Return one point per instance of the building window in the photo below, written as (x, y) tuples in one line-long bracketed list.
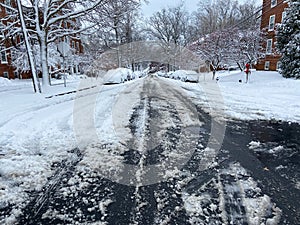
[(78, 46), (7, 2), (66, 39), (269, 46), (66, 25), (267, 65), (16, 74), (3, 57), (283, 16), (278, 65), (5, 74), (272, 23), (273, 3), (21, 38)]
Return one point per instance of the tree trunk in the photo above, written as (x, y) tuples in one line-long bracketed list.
[(214, 74), (44, 61)]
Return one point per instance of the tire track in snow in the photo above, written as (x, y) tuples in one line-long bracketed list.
[(168, 202), (156, 113), (36, 206)]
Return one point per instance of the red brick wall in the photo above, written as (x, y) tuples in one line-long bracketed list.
[(5, 67), (268, 11)]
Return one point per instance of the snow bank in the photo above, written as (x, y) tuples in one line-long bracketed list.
[(5, 82)]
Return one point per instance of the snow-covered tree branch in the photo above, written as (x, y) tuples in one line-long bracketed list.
[(50, 21)]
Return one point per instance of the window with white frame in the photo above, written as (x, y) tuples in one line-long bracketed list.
[(269, 46), (78, 46), (7, 2), (278, 65), (272, 22), (21, 38), (273, 3), (5, 74), (283, 16), (3, 56), (267, 65), (1, 27), (66, 25)]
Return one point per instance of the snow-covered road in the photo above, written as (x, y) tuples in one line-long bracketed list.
[(153, 160)]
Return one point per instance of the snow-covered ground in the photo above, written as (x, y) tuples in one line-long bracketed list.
[(266, 96), (36, 130)]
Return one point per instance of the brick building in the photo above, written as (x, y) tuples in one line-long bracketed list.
[(273, 12), (6, 68)]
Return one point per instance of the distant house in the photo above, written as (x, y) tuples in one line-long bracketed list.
[(6, 68), (273, 13)]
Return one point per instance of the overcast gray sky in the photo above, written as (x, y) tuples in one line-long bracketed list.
[(156, 5)]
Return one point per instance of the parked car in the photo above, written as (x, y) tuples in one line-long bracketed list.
[(192, 78), (59, 76), (117, 76), (186, 76)]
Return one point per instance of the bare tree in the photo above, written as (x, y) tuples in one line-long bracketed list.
[(246, 46), (214, 48), (115, 21), (171, 27), (115, 25), (228, 33), (224, 14)]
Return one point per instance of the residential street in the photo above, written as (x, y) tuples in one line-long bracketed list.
[(166, 168), (148, 112)]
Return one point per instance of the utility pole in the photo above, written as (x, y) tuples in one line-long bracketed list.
[(35, 79)]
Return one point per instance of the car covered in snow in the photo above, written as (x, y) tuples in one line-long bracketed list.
[(186, 76), (139, 74), (162, 74), (117, 76)]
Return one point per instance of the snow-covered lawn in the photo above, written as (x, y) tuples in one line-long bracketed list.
[(36, 133), (267, 96)]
